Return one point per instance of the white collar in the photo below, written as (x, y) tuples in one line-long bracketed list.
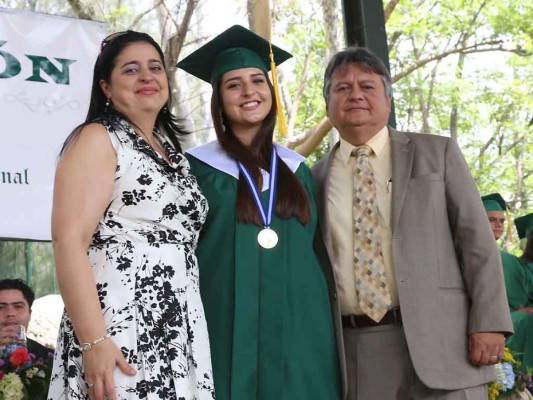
[(213, 155)]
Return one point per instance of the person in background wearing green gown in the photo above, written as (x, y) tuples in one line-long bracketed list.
[(518, 284), (496, 209), (263, 288), (522, 340)]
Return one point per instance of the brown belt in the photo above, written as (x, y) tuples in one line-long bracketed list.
[(392, 316)]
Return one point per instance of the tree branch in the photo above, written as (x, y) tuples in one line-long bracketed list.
[(169, 15), (80, 11), (313, 137), (475, 48), (175, 43), (390, 8), (141, 15)]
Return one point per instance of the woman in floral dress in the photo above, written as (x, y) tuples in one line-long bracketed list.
[(125, 224)]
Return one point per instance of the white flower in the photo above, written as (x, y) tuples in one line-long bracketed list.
[(30, 372), (11, 387)]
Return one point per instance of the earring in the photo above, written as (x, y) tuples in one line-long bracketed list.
[(165, 110), (107, 104)]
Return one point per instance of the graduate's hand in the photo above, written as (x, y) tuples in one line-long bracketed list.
[(528, 310), (485, 348)]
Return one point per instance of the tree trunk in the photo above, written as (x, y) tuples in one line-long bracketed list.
[(204, 131), (454, 113), (81, 11), (333, 27), (259, 18), (172, 49)]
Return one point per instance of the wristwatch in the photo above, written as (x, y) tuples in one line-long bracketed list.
[(89, 345)]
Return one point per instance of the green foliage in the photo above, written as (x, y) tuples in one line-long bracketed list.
[(31, 261), (489, 88), (303, 23)]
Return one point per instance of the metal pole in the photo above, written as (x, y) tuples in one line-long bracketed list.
[(364, 25)]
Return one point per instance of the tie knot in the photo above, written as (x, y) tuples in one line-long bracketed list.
[(363, 150)]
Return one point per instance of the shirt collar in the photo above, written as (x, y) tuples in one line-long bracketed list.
[(212, 154), (377, 143)]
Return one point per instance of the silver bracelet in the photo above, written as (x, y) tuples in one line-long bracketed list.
[(89, 345)]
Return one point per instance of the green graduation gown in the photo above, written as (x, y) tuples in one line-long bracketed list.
[(529, 273), (268, 314), (519, 286)]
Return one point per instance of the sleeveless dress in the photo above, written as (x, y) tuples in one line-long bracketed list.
[(146, 273)]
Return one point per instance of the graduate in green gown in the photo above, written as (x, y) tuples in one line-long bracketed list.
[(263, 288), (522, 340), (518, 285)]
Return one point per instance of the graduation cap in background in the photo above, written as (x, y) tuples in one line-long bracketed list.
[(235, 48), (524, 226), (494, 202)]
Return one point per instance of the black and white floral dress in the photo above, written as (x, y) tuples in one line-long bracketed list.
[(146, 273)]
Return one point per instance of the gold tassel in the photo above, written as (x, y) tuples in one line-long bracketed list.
[(281, 118)]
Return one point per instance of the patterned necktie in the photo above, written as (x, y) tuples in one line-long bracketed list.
[(371, 284)]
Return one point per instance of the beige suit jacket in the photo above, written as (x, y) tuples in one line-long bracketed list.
[(447, 266)]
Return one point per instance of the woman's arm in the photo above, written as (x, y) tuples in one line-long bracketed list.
[(83, 188)]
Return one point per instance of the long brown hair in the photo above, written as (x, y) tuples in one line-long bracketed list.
[(291, 199)]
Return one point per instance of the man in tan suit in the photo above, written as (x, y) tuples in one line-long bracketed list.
[(445, 313)]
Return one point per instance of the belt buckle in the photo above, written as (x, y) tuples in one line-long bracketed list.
[(396, 316)]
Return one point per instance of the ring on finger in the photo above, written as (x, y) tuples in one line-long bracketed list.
[(89, 384)]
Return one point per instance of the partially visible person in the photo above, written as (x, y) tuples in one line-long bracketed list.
[(263, 287), (125, 223), (16, 300), (521, 287), (418, 274), (524, 227), (496, 208)]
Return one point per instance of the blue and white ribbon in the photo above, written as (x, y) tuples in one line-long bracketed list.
[(266, 218)]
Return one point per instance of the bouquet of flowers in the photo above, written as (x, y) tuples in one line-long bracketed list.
[(22, 376), (511, 382)]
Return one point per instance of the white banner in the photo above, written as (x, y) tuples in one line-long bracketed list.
[(46, 68)]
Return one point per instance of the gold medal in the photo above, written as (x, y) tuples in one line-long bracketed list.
[(267, 238)]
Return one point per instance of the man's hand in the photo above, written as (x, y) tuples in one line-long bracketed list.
[(485, 348), (7, 334)]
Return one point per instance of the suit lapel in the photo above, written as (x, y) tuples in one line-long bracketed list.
[(322, 197), (402, 150)]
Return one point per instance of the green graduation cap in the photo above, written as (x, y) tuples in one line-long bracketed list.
[(235, 48), (494, 202), (524, 226)]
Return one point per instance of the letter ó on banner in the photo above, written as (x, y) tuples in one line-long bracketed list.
[(13, 66)]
